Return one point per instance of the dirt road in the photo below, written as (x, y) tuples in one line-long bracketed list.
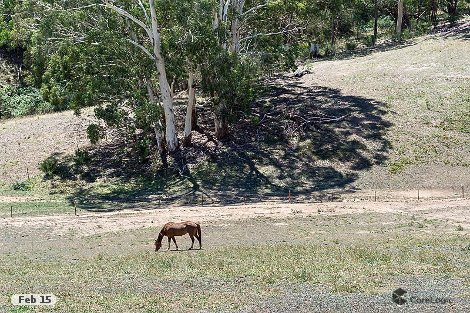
[(455, 211)]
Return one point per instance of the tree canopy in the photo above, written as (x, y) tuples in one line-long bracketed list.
[(128, 58)]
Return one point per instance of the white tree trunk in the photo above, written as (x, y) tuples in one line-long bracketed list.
[(158, 128), (165, 91), (188, 122), (235, 44), (235, 31), (399, 19)]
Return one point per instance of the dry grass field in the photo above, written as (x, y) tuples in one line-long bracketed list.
[(389, 122)]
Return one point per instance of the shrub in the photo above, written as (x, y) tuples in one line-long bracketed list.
[(95, 133), (16, 101), (233, 80), (81, 157), (368, 40), (143, 149), (351, 46), (49, 166), (23, 186)]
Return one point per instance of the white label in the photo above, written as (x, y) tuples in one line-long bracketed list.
[(33, 299)]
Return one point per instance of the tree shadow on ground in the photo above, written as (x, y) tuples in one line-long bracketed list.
[(299, 139), (459, 30), (296, 138), (387, 45)]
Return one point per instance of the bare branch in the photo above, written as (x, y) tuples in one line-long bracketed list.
[(284, 31), (129, 16), (144, 10), (225, 11), (142, 48), (255, 8), (80, 8)]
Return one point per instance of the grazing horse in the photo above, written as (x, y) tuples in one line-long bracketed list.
[(179, 229)]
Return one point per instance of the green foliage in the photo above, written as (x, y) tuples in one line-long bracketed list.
[(231, 82), (143, 149), (351, 46), (17, 101), (81, 157), (95, 132), (5, 34), (146, 115), (23, 186), (368, 40), (49, 166), (112, 114), (6, 23)]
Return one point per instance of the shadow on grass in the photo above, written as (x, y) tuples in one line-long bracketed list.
[(387, 45), (459, 29), (299, 139), (296, 138)]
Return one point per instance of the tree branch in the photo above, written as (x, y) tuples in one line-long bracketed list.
[(142, 48), (144, 10), (269, 34), (255, 8), (129, 16)]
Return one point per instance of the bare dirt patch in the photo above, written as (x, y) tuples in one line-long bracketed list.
[(455, 211), (25, 142)]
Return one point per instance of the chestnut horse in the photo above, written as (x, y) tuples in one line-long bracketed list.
[(179, 229)]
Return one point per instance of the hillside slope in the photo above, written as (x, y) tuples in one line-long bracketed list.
[(425, 86), (396, 118), (24, 142)]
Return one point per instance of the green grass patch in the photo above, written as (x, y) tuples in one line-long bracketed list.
[(36, 207), (211, 279)]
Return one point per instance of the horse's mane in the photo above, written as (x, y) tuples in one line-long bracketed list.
[(160, 237)]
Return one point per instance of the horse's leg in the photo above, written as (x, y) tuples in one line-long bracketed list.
[(169, 240), (199, 239), (174, 240), (192, 241), (199, 235)]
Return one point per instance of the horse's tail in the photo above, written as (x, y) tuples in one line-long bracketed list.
[(199, 233)]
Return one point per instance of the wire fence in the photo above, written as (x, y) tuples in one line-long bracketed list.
[(157, 201)]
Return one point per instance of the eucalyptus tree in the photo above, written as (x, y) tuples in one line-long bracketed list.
[(80, 53), (148, 23), (188, 40), (399, 19)]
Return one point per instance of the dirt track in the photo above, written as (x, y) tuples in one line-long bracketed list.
[(455, 211)]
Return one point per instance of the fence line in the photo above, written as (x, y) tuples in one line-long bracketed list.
[(197, 198)]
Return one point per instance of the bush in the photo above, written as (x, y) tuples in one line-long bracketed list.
[(81, 157), (368, 40), (351, 46), (23, 186), (143, 149), (5, 34), (233, 80), (49, 166), (16, 101), (95, 133)]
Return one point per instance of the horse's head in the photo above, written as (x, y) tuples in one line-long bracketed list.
[(158, 242), (158, 245)]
